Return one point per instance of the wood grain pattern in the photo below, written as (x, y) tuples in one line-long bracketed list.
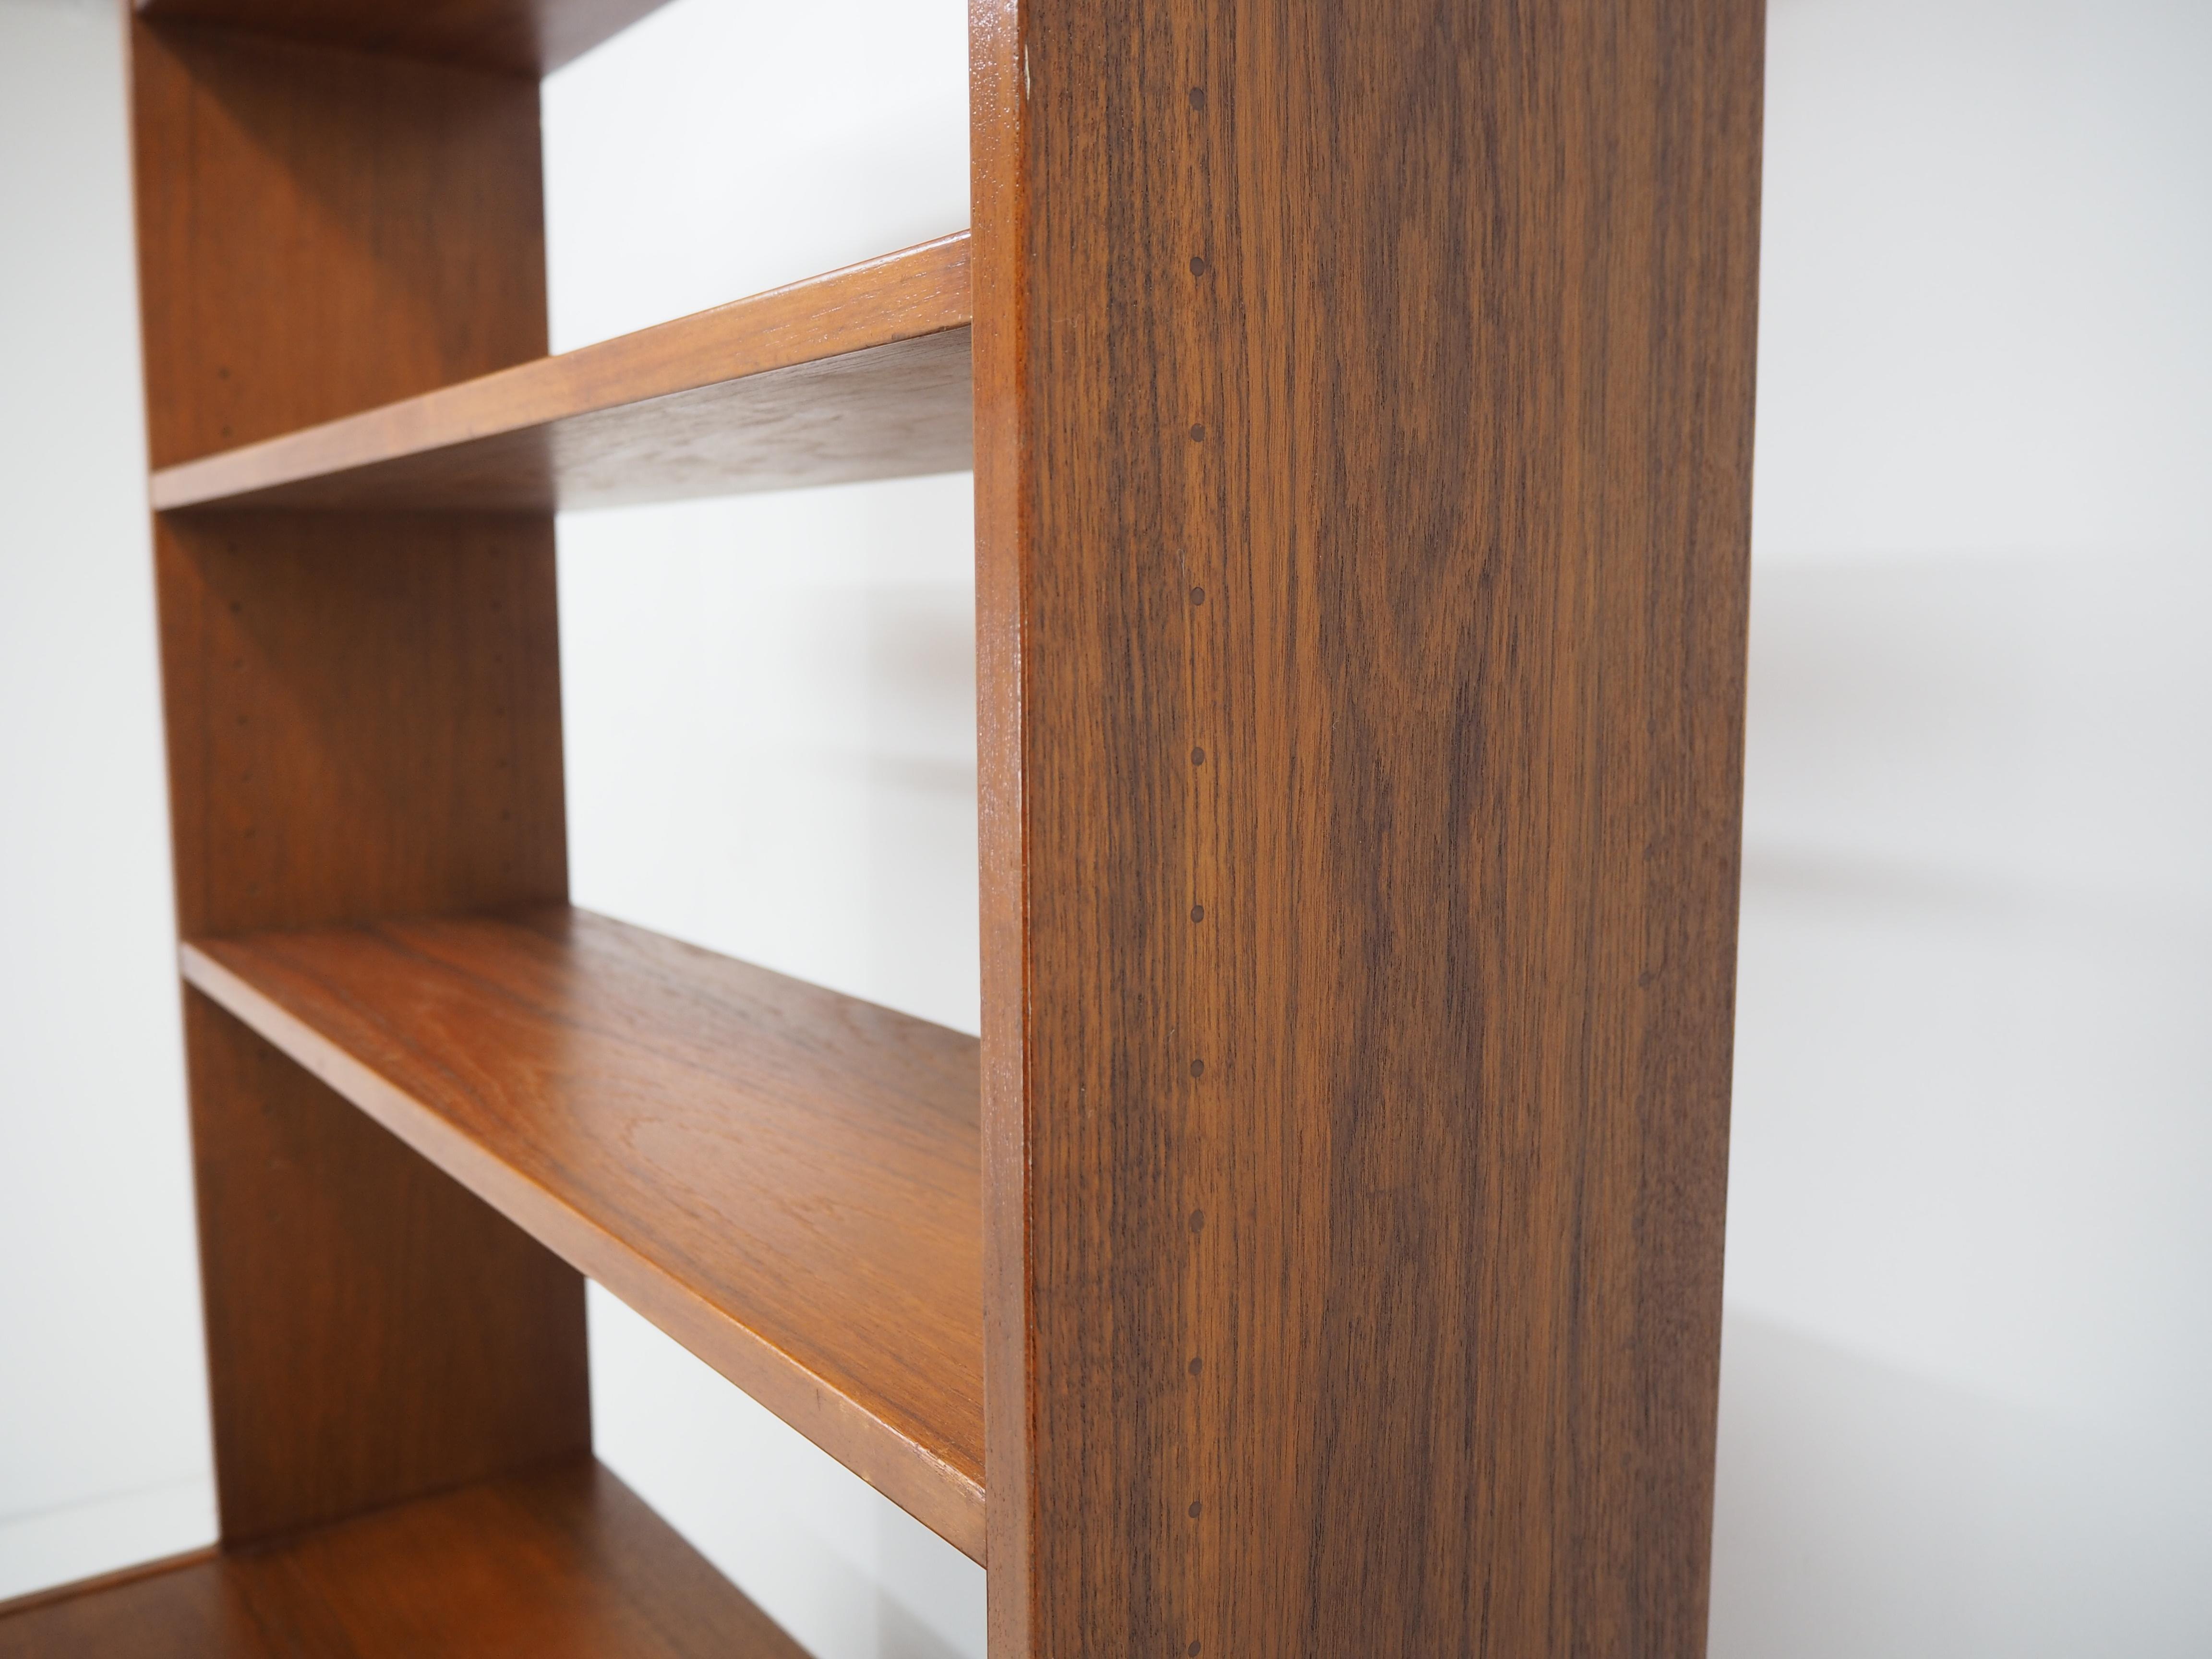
[(563, 1563), (784, 1179), (375, 1331), (860, 374), (321, 232), (1364, 435), (363, 715)]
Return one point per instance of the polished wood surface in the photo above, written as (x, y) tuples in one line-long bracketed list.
[(529, 38), (562, 1563), (321, 232), (784, 1179), (363, 715), (375, 1331), (1363, 427), (860, 374)]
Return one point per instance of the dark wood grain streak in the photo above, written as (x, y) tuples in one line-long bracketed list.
[(860, 374), (363, 716), (564, 1563), (784, 1179), (1365, 494), (527, 38)]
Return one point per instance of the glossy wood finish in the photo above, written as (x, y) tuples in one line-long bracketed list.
[(563, 1563), (529, 38), (784, 1179), (861, 373), (1363, 463), (363, 716)]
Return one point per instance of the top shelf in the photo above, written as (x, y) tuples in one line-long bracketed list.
[(518, 37), (860, 374)]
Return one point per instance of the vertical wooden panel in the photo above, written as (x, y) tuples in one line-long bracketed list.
[(322, 231), (1363, 455), (363, 718), (375, 1331), (995, 116)]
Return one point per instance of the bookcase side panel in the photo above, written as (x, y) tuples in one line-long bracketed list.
[(323, 231), (375, 1332), (363, 718), (1377, 399)]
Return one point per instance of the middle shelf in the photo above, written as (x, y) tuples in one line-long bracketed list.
[(862, 372), (785, 1180)]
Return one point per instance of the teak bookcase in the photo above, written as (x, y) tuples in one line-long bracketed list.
[(1319, 1254)]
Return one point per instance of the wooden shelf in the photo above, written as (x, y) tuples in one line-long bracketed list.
[(860, 374), (565, 1563), (785, 1180), (518, 37)]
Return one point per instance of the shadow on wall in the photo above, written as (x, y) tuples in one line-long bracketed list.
[(1864, 1511), (770, 707), (1970, 1260)]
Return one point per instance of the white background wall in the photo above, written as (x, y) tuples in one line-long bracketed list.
[(103, 1415), (1970, 1263), (1970, 1250), (811, 804)]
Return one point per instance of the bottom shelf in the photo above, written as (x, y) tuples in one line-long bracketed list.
[(565, 1563)]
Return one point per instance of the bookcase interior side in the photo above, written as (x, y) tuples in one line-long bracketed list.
[(363, 718)]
